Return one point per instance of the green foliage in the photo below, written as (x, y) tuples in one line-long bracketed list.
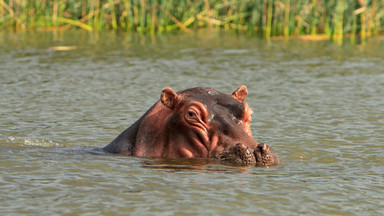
[(267, 18)]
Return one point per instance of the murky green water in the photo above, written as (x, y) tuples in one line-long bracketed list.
[(320, 106)]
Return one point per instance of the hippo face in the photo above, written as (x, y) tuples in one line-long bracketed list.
[(196, 123), (209, 124)]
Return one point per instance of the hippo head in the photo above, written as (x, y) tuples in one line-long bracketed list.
[(204, 122)]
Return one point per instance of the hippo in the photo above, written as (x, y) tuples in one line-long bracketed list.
[(196, 123)]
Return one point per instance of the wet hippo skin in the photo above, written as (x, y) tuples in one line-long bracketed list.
[(196, 123)]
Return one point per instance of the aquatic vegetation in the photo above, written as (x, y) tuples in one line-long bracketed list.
[(333, 19)]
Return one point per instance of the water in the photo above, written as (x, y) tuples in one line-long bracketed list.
[(320, 106)]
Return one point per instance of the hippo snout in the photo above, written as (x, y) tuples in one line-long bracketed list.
[(262, 155)]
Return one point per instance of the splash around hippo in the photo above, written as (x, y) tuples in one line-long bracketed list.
[(196, 123)]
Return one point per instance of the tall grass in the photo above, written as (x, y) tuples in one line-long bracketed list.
[(333, 19)]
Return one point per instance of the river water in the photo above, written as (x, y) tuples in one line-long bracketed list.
[(320, 106)]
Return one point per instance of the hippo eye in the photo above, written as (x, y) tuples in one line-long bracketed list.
[(192, 114)]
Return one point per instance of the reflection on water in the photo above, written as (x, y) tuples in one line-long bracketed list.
[(194, 164), (320, 106)]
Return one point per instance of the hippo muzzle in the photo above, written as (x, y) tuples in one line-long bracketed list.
[(241, 154)]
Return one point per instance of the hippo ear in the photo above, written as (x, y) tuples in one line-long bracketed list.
[(240, 93), (169, 98)]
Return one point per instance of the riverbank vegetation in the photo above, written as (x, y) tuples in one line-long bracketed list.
[(312, 19)]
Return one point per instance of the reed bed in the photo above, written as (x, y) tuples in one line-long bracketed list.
[(314, 19)]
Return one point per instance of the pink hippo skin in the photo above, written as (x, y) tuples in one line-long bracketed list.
[(196, 123)]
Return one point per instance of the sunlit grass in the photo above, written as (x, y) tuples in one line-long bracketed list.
[(334, 19)]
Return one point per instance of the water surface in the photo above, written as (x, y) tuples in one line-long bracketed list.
[(320, 106)]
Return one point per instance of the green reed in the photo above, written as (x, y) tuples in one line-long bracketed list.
[(333, 19)]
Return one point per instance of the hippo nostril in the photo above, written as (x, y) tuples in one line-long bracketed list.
[(265, 156), (241, 145), (262, 147)]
